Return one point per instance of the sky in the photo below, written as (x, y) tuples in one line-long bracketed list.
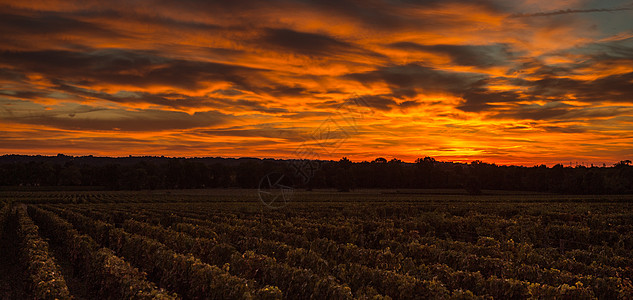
[(509, 82)]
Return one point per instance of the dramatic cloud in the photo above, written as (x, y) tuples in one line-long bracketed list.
[(465, 55), (85, 118), (523, 82)]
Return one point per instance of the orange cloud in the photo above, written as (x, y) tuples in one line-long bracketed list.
[(524, 83)]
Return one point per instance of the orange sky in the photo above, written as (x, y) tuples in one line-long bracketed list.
[(525, 82)]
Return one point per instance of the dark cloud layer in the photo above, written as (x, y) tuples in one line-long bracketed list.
[(311, 44), (570, 11), (124, 68), (115, 120), (466, 55), (406, 80), (41, 25)]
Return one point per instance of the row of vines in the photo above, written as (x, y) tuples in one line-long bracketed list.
[(321, 250)]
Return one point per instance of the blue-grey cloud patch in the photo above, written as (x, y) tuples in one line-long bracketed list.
[(550, 111), (465, 55), (558, 111), (405, 80)]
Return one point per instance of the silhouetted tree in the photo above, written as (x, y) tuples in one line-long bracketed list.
[(168, 173)]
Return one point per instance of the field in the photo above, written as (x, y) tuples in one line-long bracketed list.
[(226, 244)]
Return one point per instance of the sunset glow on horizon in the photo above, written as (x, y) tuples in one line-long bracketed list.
[(524, 83)]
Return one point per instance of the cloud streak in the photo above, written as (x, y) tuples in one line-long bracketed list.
[(570, 11)]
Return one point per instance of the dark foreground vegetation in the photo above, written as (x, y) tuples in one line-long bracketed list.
[(224, 244), (136, 173)]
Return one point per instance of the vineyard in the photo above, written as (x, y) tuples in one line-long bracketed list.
[(225, 244)]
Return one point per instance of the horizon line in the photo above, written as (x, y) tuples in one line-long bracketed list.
[(571, 164)]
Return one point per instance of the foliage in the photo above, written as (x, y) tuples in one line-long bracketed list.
[(140, 173), (107, 274), (339, 250), (45, 276)]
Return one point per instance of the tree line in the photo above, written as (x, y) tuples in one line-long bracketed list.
[(136, 173)]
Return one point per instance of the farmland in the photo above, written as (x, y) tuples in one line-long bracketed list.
[(365, 244)]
